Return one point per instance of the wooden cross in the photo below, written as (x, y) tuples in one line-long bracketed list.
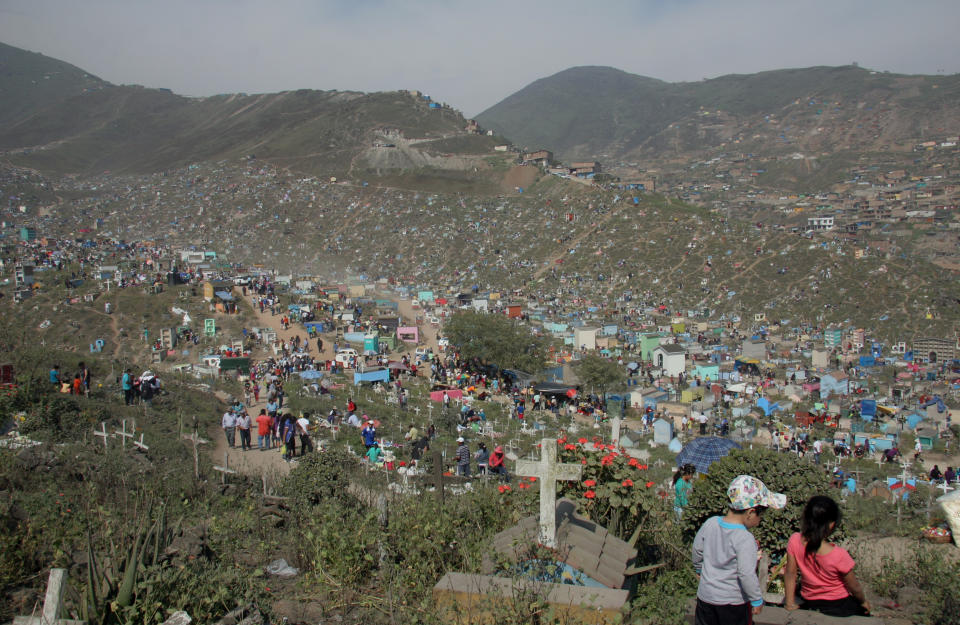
[(102, 434), (124, 434), (139, 444), (549, 472), (197, 441), (615, 431), (225, 468), (51, 604), (438, 474), (944, 487)]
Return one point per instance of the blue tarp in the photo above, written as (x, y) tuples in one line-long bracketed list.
[(223, 295), (868, 409)]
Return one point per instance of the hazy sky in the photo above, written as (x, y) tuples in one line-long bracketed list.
[(470, 54)]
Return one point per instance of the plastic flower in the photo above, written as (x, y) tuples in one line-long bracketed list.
[(589, 483), (627, 482), (403, 463), (532, 478), (570, 447), (589, 494), (650, 484), (523, 485), (503, 488), (582, 440)]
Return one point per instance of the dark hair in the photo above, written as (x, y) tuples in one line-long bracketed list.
[(815, 521)]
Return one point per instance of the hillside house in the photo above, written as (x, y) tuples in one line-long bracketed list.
[(671, 358), (834, 383), (585, 338), (540, 157), (585, 170)]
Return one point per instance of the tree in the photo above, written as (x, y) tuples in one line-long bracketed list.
[(497, 340), (600, 374)]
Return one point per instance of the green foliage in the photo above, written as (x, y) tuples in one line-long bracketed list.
[(497, 340), (782, 473), (339, 543), (319, 478), (928, 571), (662, 600), (599, 373), (615, 490), (61, 418)]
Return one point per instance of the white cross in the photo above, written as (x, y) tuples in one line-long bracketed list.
[(944, 487), (51, 604), (124, 434), (139, 444), (102, 434), (225, 468), (615, 431), (549, 472)]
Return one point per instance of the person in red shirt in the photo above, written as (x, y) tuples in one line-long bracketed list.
[(264, 426), (496, 465), (827, 581), (77, 386)]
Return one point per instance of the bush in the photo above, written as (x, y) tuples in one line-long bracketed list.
[(782, 473), (320, 477), (62, 418)]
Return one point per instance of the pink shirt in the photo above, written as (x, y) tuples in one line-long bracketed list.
[(821, 577)]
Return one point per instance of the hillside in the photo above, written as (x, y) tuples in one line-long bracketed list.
[(30, 82), (591, 112), (55, 118)]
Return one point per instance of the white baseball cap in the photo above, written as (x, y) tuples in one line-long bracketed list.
[(459, 439)]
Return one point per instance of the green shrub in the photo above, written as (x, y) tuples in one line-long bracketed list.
[(782, 473), (62, 418), (320, 477)]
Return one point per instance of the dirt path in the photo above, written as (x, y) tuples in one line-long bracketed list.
[(270, 463)]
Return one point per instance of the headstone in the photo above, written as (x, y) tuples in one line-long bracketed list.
[(50, 615), (615, 431), (178, 618), (950, 503), (662, 431), (548, 471)]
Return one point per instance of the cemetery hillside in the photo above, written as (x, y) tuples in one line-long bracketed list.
[(319, 357)]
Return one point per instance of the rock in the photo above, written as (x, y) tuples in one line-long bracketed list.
[(299, 611), (246, 615)]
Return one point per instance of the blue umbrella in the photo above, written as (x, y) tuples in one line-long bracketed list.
[(704, 451), (311, 374)]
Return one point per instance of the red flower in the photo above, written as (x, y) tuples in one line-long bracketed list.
[(589, 483), (611, 447), (562, 440), (589, 494), (447, 473), (503, 488), (532, 479), (633, 462), (403, 463), (650, 484), (628, 482), (607, 460), (583, 461), (598, 445), (582, 440), (570, 447), (523, 485)]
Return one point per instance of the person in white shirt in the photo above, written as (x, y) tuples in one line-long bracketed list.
[(229, 425), (303, 429)]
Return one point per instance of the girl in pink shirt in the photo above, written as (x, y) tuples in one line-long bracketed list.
[(827, 581)]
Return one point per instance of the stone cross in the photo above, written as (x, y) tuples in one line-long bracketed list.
[(225, 469), (615, 431), (51, 604), (102, 434), (548, 472)]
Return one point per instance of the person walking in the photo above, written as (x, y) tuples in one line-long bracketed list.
[(303, 429), (263, 429), (229, 425), (243, 424)]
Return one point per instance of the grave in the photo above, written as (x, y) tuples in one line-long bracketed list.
[(950, 504), (662, 431), (582, 577), (52, 600)]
